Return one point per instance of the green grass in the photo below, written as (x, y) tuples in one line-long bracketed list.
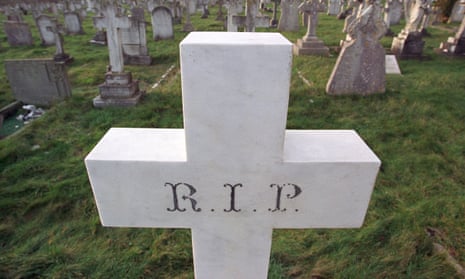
[(49, 224)]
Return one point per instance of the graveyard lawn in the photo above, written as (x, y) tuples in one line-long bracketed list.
[(49, 226)]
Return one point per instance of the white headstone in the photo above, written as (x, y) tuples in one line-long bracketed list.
[(392, 67), (234, 173)]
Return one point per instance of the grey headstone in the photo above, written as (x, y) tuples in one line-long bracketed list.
[(289, 20), (18, 33), (360, 67), (45, 22), (162, 23), (38, 81), (73, 23)]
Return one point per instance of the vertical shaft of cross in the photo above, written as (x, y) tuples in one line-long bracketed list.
[(240, 251)]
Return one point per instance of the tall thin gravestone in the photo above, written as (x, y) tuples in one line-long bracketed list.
[(234, 173)]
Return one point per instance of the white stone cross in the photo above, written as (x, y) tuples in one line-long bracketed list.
[(234, 173), (112, 22)]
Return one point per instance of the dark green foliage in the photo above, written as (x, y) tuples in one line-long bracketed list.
[(49, 226)]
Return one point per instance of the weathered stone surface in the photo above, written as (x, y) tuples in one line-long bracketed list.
[(458, 11), (162, 23), (73, 24), (408, 45), (120, 90), (44, 23), (38, 81), (455, 45), (289, 19), (360, 67), (18, 33)]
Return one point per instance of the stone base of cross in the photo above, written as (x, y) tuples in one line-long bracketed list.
[(234, 173)]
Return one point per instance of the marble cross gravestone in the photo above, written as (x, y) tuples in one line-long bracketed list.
[(234, 173)]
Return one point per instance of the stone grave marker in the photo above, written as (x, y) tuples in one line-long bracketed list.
[(18, 33), (234, 7), (289, 19), (454, 45), (134, 40), (73, 23), (162, 23), (234, 173), (360, 67), (38, 81), (119, 89), (409, 42), (392, 67), (251, 20), (44, 23), (335, 7), (310, 44), (458, 11), (392, 12)]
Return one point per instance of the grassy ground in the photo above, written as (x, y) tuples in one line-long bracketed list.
[(49, 227)]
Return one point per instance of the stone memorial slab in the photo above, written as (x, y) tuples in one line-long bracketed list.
[(289, 19), (44, 23), (73, 23), (134, 40), (458, 11), (234, 173), (409, 42), (162, 23), (360, 68), (18, 33), (38, 81), (392, 67)]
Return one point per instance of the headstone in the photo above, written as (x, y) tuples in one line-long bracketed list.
[(60, 55), (119, 89), (289, 19), (392, 67), (360, 67), (134, 40), (18, 33), (455, 45), (335, 7), (356, 6), (458, 11), (188, 27), (234, 7), (162, 23), (393, 12), (310, 44), (44, 23), (232, 188), (73, 23), (409, 42), (38, 81), (90, 5), (251, 20)]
